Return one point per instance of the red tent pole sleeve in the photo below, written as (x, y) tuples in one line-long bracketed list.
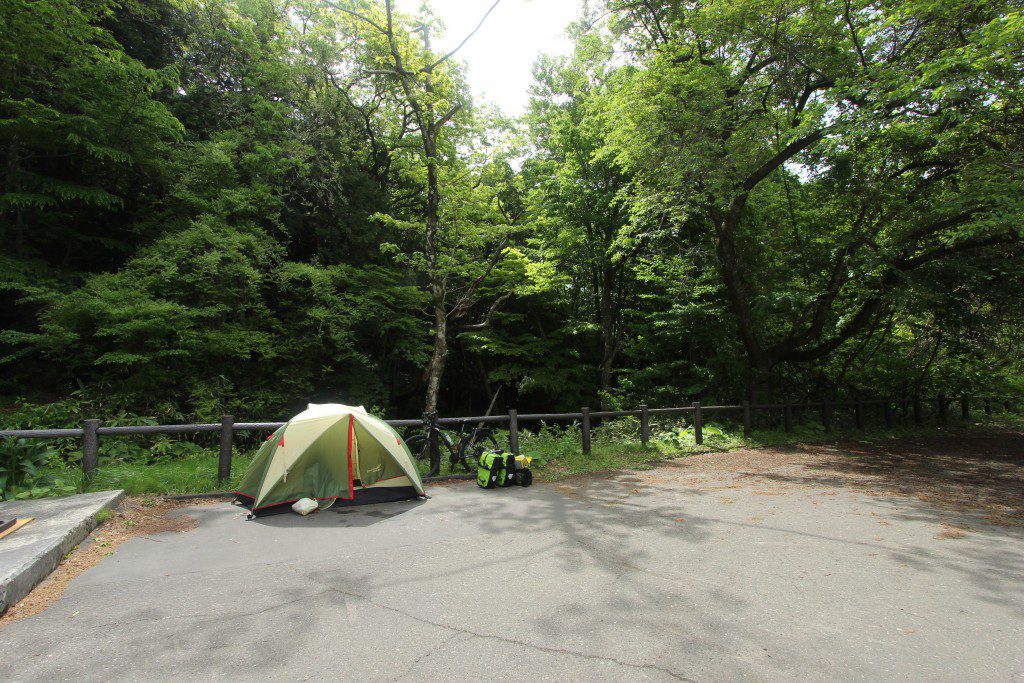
[(351, 437)]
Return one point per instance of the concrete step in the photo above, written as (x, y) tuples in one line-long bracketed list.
[(59, 524)]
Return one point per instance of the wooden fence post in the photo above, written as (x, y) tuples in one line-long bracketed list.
[(918, 418), (698, 424), (826, 415), (988, 406), (433, 446), (787, 416), (227, 433), (965, 407), (943, 407), (887, 409), (513, 431), (90, 447), (585, 425), (645, 425), (747, 420), (858, 414)]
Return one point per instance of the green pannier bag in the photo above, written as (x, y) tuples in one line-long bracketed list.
[(494, 469)]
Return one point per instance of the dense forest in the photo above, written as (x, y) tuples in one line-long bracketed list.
[(239, 206)]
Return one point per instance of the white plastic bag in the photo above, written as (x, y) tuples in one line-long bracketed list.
[(304, 506)]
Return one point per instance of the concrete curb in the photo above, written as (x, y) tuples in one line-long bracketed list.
[(59, 524), (193, 496), (448, 477)]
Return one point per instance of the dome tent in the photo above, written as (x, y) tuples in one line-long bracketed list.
[(330, 452)]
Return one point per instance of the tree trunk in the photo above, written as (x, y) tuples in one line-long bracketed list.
[(609, 346), (437, 292), (760, 363), (438, 359), (760, 384)]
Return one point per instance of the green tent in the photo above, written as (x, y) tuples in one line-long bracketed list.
[(335, 454)]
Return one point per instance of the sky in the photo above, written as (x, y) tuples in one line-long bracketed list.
[(501, 54)]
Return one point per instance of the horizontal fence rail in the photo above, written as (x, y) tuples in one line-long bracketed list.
[(90, 431)]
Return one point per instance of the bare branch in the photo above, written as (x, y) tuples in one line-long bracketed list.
[(486, 322), (781, 157), (357, 15), (464, 303), (446, 57), (446, 117)]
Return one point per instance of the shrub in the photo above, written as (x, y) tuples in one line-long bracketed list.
[(21, 470)]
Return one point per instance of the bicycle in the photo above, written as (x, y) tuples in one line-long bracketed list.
[(464, 450)]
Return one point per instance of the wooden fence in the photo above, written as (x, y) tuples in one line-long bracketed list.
[(91, 430)]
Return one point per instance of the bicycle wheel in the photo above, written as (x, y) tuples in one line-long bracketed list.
[(416, 443), (469, 457), (419, 444)]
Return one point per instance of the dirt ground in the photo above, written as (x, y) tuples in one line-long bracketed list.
[(959, 471)]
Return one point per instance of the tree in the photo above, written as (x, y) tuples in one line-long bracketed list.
[(82, 132), (220, 206), (580, 196), (901, 120), (254, 275), (80, 118), (430, 87)]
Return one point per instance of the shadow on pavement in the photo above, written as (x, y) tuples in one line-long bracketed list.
[(361, 516)]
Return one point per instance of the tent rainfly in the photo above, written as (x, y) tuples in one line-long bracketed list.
[(338, 455)]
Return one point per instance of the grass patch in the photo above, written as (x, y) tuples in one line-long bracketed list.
[(557, 451), (192, 474), (603, 456)]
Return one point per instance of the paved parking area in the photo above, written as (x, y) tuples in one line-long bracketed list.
[(817, 564)]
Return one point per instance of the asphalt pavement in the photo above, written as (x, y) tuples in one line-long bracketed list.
[(657, 575)]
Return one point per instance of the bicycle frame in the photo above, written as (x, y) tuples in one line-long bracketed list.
[(461, 450)]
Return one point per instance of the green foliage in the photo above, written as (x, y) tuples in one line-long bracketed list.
[(213, 206), (22, 470), (21, 461), (81, 119), (684, 437), (557, 452)]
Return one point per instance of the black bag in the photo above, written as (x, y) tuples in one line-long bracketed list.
[(508, 472)]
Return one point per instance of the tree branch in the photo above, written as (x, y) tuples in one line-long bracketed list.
[(838, 277), (853, 34), (464, 303), (486, 322), (907, 264), (896, 269), (448, 55), (446, 117), (781, 157), (357, 15)]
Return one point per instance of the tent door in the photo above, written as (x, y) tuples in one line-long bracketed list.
[(353, 451)]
